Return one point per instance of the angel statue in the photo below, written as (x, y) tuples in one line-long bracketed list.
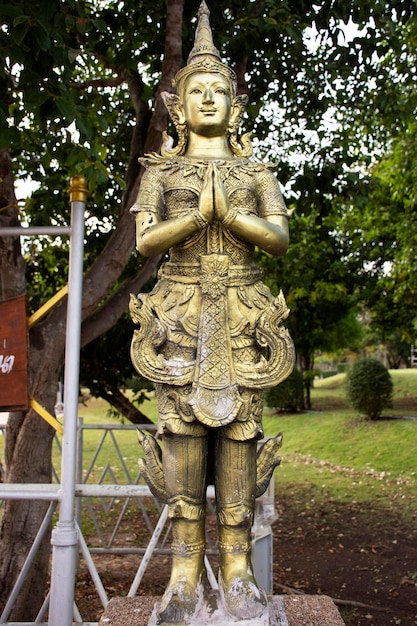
[(209, 334)]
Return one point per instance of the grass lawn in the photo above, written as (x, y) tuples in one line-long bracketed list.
[(333, 450), (344, 457)]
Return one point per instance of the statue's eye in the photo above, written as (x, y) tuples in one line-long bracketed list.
[(195, 90), (221, 91)]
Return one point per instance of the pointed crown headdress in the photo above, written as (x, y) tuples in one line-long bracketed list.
[(204, 57)]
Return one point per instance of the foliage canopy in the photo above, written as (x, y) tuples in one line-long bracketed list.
[(80, 81)]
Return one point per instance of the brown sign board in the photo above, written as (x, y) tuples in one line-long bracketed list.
[(14, 394)]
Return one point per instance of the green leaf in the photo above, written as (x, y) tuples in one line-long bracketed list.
[(42, 38), (8, 9), (67, 108), (19, 33), (100, 25), (84, 126), (22, 19), (73, 53)]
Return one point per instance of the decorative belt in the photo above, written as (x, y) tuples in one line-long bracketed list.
[(237, 275)]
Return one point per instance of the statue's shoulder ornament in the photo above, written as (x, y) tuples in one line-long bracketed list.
[(166, 166), (154, 159), (256, 167), (184, 172)]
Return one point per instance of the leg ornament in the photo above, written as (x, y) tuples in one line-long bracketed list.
[(188, 577), (235, 494), (184, 461)]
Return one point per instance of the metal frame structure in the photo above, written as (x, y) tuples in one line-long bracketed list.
[(67, 539), (65, 536)]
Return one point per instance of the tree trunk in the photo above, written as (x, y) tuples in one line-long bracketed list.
[(22, 518), (28, 437), (306, 367), (12, 266)]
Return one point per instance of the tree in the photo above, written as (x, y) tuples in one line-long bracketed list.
[(329, 268), (99, 355), (289, 395), (319, 286), (378, 218), (80, 85)]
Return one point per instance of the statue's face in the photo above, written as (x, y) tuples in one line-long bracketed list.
[(207, 104)]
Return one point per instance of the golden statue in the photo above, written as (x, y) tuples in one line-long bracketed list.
[(209, 334)]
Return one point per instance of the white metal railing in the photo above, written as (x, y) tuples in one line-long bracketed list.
[(128, 491), (65, 533), (413, 356)]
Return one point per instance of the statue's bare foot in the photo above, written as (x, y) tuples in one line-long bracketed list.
[(239, 590), (180, 601), (178, 604)]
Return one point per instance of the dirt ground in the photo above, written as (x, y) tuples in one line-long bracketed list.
[(353, 553), (361, 556)]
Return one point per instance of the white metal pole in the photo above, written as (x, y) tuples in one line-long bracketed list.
[(65, 536)]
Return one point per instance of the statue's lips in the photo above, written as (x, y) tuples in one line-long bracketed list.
[(208, 111)]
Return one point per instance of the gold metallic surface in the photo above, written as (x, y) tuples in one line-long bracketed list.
[(210, 335), (78, 191)]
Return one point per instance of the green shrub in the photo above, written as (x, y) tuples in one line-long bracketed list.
[(369, 387), (289, 395)]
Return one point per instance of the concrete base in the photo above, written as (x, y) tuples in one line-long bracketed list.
[(300, 610)]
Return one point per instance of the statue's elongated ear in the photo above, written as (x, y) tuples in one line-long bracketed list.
[(238, 107), (174, 106), (241, 146)]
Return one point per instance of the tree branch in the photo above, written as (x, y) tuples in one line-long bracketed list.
[(124, 406), (12, 275), (109, 265), (241, 69), (140, 131), (108, 314), (97, 83), (170, 66)]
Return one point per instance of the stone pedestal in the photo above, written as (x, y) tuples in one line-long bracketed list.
[(300, 610)]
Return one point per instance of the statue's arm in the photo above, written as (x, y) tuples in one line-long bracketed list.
[(269, 234), (267, 230), (154, 234)]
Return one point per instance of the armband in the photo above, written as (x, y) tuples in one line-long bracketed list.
[(230, 217), (199, 219)]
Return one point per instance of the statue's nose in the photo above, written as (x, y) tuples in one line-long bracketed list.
[(208, 95)]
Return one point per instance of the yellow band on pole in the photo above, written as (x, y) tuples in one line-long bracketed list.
[(78, 190), (45, 308), (52, 421)]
